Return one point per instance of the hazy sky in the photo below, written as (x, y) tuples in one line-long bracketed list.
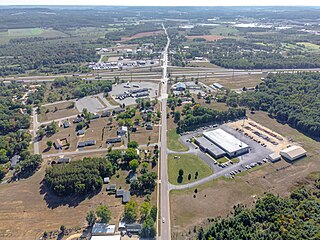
[(166, 2)]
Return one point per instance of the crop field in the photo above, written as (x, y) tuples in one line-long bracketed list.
[(206, 37), (5, 37), (141, 35)]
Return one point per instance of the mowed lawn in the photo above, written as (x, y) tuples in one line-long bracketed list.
[(190, 164), (173, 142)]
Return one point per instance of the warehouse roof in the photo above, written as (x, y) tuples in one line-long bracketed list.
[(225, 140), (205, 143), (293, 151)]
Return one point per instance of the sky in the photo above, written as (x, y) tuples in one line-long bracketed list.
[(166, 2)]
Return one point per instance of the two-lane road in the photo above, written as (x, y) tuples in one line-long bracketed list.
[(164, 232)]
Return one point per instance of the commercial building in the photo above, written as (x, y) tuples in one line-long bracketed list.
[(293, 153), (180, 86), (192, 85), (209, 147), (218, 86), (228, 143)]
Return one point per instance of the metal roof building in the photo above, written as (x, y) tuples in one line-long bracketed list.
[(209, 147), (227, 142), (293, 153), (100, 229)]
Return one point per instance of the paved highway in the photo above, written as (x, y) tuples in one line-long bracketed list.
[(164, 232)]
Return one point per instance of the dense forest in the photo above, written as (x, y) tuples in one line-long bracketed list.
[(201, 115), (44, 56), (78, 177), (290, 98), (273, 217)]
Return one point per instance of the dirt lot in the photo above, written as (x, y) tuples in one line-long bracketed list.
[(142, 135), (251, 126), (140, 35), (235, 82), (219, 196), (206, 37), (62, 111)]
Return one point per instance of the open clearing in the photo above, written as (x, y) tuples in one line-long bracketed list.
[(236, 82), (57, 111), (6, 36), (173, 141), (219, 196), (206, 37), (141, 35), (190, 164)]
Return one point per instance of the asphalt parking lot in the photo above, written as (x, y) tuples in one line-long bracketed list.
[(94, 104), (256, 153), (120, 89)]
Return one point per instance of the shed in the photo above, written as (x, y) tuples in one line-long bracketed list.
[(119, 192), (134, 228), (274, 157), (63, 160), (126, 197), (111, 187), (106, 114), (80, 132), (106, 180), (77, 120), (66, 124)]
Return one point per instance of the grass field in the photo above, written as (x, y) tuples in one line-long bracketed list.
[(29, 32), (190, 164), (56, 111), (223, 30), (310, 46), (173, 141)]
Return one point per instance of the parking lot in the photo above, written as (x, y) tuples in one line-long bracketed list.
[(123, 88), (94, 104), (254, 158)]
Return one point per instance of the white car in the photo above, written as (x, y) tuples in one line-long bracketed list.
[(163, 220)]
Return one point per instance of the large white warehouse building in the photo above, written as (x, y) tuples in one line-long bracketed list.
[(228, 143)]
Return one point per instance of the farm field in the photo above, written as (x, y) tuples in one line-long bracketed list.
[(6, 36), (278, 178), (141, 35), (190, 164), (206, 37)]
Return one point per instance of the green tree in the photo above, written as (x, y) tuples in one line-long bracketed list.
[(153, 213), (91, 218), (103, 213), (133, 144), (176, 116), (134, 164), (115, 155), (49, 144), (148, 229), (130, 154), (145, 209), (131, 211)]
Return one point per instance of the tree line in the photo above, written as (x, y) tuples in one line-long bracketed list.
[(78, 177), (290, 98), (273, 217)]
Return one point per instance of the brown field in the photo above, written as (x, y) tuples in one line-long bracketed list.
[(27, 211), (235, 82), (206, 37), (141, 35), (219, 196), (142, 135), (94, 132), (63, 111)]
